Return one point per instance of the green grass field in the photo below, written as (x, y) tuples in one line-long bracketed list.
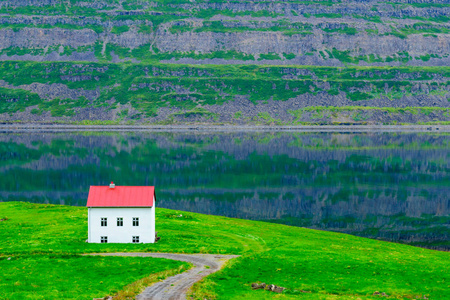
[(310, 264), (73, 277)]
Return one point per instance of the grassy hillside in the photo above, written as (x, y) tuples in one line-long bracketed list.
[(77, 277), (304, 32), (132, 61), (310, 264), (124, 93)]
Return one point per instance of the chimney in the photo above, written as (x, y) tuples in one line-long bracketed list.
[(112, 185)]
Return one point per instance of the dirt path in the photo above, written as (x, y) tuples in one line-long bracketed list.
[(175, 287)]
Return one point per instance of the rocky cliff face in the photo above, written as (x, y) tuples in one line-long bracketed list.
[(316, 33), (170, 94), (133, 38)]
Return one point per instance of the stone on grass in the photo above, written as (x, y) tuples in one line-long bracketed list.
[(257, 286), (275, 288), (269, 287)]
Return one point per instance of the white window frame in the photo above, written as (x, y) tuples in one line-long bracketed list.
[(135, 239), (104, 222), (119, 221), (136, 221), (103, 239)]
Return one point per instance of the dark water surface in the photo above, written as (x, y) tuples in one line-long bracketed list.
[(391, 186)]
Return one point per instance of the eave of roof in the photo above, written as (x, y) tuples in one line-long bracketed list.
[(121, 196)]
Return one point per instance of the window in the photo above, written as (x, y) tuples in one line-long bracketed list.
[(104, 222), (135, 221), (104, 239), (135, 239), (119, 221)]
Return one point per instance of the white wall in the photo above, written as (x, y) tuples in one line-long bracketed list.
[(121, 234)]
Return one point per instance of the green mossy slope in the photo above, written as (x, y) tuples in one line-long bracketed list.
[(310, 264), (75, 276), (123, 93)]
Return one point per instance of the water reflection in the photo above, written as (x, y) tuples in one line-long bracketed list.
[(389, 185)]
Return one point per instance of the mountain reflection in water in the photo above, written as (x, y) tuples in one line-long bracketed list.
[(391, 186)]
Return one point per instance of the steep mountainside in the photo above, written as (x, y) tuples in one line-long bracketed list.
[(131, 61)]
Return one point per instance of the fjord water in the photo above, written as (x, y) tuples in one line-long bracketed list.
[(391, 186)]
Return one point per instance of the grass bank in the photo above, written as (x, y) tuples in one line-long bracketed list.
[(75, 276), (310, 264)]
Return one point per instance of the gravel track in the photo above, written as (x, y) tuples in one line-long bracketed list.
[(175, 287)]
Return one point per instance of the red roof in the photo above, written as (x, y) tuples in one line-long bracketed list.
[(121, 196)]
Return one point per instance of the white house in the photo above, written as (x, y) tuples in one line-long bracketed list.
[(121, 214)]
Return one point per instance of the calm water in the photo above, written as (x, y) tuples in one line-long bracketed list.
[(391, 186)]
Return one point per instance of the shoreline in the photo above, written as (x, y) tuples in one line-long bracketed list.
[(5, 128)]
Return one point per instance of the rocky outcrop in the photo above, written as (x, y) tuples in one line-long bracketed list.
[(52, 56), (336, 34), (268, 287), (243, 95), (42, 38), (274, 42), (137, 35), (55, 90)]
